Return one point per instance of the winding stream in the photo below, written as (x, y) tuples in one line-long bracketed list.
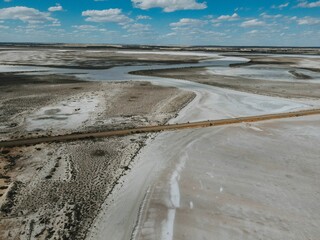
[(210, 102), (153, 184)]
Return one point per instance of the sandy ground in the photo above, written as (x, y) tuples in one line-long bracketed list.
[(56, 190)]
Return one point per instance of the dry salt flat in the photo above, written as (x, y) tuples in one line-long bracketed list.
[(221, 183), (240, 182)]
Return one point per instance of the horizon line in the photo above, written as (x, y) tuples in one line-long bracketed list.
[(160, 45)]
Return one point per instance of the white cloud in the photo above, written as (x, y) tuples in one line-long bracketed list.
[(3, 27), (281, 6), (309, 4), (253, 23), (194, 30), (265, 15), (188, 22), (253, 32), (25, 14), (225, 18), (56, 8), (108, 15), (137, 27), (173, 34), (143, 17), (88, 28), (55, 24), (232, 17), (308, 21), (169, 5), (241, 9), (85, 27)]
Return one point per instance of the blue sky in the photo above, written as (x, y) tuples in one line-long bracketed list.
[(183, 22)]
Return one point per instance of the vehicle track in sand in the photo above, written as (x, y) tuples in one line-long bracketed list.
[(159, 128)]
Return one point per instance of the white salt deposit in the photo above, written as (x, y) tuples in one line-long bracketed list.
[(265, 72), (68, 114), (173, 53)]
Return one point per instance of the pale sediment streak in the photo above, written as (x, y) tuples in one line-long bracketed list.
[(135, 231), (167, 226)]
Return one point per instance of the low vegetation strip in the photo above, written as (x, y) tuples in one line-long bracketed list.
[(152, 129)]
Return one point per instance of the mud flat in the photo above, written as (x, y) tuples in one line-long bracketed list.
[(272, 75), (55, 191), (22, 95), (60, 104)]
